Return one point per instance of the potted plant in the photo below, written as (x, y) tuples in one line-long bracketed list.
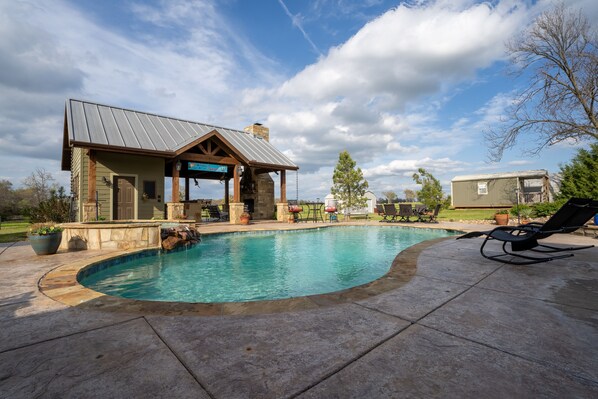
[(244, 218), (502, 217), (522, 211), (45, 240)]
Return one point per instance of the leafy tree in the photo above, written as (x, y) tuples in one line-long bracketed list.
[(410, 195), (431, 191), (349, 185), (391, 196), (560, 102), (580, 177)]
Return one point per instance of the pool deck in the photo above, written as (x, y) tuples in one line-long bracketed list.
[(459, 326)]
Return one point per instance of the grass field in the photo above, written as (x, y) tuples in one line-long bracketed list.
[(446, 215), (13, 231)]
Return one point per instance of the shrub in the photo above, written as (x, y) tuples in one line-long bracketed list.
[(502, 212), (55, 209), (545, 209), (521, 210), (45, 230)]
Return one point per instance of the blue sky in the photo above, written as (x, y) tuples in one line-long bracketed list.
[(400, 85)]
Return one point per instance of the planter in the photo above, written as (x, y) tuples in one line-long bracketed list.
[(45, 244), (244, 219), (501, 219)]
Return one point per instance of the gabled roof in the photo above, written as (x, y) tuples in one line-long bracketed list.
[(108, 128), (525, 174)]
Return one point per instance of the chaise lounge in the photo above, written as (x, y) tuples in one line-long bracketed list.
[(570, 217)]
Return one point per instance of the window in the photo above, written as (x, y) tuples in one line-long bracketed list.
[(149, 189), (482, 188)]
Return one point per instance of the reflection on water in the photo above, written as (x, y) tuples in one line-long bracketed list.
[(268, 265)]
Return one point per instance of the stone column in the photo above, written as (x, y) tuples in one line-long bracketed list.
[(282, 211), (235, 210), (89, 211), (175, 210)]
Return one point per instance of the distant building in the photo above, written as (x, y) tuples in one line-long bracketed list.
[(500, 189), (371, 202)]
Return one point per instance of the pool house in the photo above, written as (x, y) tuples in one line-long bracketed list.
[(119, 159)]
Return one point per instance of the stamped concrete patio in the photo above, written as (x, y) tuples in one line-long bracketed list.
[(461, 326)]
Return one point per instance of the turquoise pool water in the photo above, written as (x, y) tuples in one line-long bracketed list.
[(257, 266)]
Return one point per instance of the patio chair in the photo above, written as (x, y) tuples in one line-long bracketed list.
[(432, 216), (295, 209), (419, 211), (390, 211), (570, 217), (215, 213), (405, 212), (380, 208)]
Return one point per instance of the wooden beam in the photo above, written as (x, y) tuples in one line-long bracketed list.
[(283, 186), (91, 177), (208, 159), (175, 182), (236, 186)]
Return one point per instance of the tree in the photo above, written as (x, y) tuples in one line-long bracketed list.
[(409, 195), (348, 183), (580, 177), (560, 101), (39, 183), (391, 196), (431, 192)]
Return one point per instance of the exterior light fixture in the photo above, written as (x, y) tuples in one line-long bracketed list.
[(178, 165)]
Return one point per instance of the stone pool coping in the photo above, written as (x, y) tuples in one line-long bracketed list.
[(61, 285)]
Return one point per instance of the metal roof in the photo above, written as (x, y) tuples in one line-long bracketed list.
[(102, 126), (526, 174)]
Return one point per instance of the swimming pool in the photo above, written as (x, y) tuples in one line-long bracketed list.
[(253, 266)]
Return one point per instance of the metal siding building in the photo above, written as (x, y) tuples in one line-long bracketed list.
[(500, 189)]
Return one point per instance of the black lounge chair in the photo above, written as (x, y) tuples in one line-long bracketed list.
[(390, 211), (381, 212), (570, 217), (215, 213), (419, 211), (405, 212)]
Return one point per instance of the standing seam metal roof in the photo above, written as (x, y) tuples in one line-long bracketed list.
[(106, 126)]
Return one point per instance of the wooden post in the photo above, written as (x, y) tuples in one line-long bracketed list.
[(226, 194), (236, 185), (283, 186), (175, 182), (91, 177), (186, 188)]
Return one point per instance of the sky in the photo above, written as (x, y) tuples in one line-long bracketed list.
[(400, 85)]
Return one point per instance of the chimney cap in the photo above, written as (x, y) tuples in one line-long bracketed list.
[(257, 124)]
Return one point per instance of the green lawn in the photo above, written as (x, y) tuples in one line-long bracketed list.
[(466, 214), (13, 231)]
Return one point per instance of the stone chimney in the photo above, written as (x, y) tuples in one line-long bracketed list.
[(259, 130)]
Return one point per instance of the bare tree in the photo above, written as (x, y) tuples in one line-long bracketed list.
[(410, 195), (559, 103), (391, 196), (39, 183)]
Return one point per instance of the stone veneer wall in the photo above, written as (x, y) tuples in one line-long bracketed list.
[(110, 236)]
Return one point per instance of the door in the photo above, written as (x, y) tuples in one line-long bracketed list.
[(124, 197)]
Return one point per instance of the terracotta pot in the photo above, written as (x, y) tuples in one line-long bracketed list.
[(244, 219), (45, 244), (501, 219)]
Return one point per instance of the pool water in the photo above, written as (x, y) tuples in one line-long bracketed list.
[(255, 266)]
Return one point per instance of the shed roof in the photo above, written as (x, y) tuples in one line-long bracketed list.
[(526, 174), (108, 128)]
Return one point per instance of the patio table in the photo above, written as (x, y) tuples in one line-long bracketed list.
[(314, 211)]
